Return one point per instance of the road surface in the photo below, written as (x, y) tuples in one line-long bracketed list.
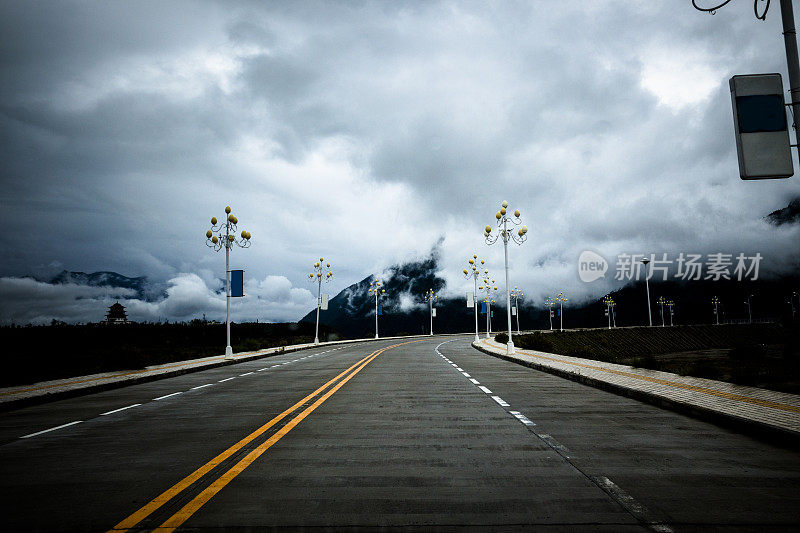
[(417, 434)]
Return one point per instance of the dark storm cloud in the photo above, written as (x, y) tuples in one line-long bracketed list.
[(367, 131)]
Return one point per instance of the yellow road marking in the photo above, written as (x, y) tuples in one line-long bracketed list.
[(695, 388), (170, 493), (201, 499), (179, 487)]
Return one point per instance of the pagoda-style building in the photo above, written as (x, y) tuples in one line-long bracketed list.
[(116, 314)]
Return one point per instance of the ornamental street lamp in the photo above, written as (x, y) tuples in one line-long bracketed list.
[(320, 272), (474, 273), (609, 302), (374, 288), (749, 308), (561, 299), (715, 302), (550, 303), (503, 221), (662, 302), (224, 236), (647, 285), (517, 295), (671, 305), (488, 300), (430, 297)]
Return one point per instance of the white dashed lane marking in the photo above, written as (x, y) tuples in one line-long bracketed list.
[(51, 429), (226, 379), (120, 409), (202, 386), (167, 396), (484, 389)]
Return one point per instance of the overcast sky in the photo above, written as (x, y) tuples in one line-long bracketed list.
[(366, 132)]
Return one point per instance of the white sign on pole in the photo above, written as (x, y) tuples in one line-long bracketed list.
[(514, 311), (470, 300), (762, 132), (433, 311), (324, 303)]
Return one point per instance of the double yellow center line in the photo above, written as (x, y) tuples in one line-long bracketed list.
[(177, 519)]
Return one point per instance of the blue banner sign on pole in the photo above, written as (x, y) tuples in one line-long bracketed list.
[(237, 283), (380, 310), (559, 312), (483, 308)]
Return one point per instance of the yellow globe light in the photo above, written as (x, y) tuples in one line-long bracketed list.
[(231, 218), (524, 230), (227, 209), (504, 204), (208, 234), (321, 260), (316, 265), (495, 288), (328, 265), (487, 230), (231, 238), (520, 233), (498, 216), (214, 220), (465, 271), (471, 261), (378, 284), (244, 234), (319, 274), (214, 239), (328, 274), (503, 211), (474, 256), (516, 213), (480, 287), (383, 291)]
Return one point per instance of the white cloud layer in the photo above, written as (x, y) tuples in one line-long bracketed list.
[(272, 299)]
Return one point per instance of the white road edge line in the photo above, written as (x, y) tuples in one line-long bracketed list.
[(501, 401), (51, 429), (167, 396), (120, 409)]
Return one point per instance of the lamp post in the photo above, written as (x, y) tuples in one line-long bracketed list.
[(662, 302), (517, 294), (430, 297), (550, 303), (503, 221), (487, 300), (749, 308), (561, 299), (609, 303), (647, 285), (474, 273), (320, 271), (374, 287), (715, 301), (671, 305), (224, 236)]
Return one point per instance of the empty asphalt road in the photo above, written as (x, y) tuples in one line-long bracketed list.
[(419, 434)]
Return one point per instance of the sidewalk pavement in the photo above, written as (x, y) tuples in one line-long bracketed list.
[(47, 391), (760, 411)]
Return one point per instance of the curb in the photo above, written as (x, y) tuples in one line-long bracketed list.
[(776, 435), (47, 397)]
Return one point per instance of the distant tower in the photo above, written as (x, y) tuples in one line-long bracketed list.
[(116, 314)]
